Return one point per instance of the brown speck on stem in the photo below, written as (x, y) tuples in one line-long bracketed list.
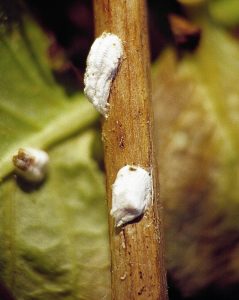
[(123, 277), (135, 248)]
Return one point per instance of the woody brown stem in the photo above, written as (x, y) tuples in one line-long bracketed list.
[(136, 249)]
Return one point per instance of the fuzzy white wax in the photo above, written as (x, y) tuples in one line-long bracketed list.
[(102, 64), (31, 164), (131, 194)]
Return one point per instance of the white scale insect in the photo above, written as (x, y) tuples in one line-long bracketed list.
[(31, 164), (131, 194), (102, 64)]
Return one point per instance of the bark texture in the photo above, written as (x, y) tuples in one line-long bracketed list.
[(138, 270)]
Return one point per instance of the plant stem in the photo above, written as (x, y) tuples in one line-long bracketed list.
[(137, 249)]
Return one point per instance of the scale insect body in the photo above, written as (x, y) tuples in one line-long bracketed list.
[(31, 164), (131, 194), (102, 65)]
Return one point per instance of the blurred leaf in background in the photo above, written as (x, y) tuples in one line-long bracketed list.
[(224, 12), (30, 97), (196, 105), (53, 237)]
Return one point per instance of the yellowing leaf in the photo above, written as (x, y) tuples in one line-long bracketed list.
[(196, 104)]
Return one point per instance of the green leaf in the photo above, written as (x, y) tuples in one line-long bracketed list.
[(225, 12), (54, 241), (53, 237), (34, 110)]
